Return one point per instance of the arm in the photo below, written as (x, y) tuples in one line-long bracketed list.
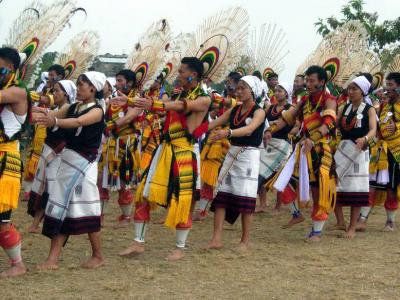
[(363, 141), (222, 120), (128, 118), (93, 116), (258, 119), (328, 121), (12, 95)]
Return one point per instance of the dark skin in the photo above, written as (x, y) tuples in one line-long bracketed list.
[(198, 109), (314, 85)]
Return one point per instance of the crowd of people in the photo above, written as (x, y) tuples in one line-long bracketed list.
[(192, 150)]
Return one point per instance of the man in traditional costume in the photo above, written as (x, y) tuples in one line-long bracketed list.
[(119, 164), (272, 81), (170, 180), (14, 104), (299, 88), (312, 162)]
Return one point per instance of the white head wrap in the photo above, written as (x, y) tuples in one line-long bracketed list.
[(364, 85), (288, 88), (44, 76), (97, 79), (70, 89), (254, 83), (112, 81)]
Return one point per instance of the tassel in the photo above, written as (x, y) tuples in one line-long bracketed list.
[(179, 211), (9, 190)]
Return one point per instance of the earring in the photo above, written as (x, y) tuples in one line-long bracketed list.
[(190, 79)]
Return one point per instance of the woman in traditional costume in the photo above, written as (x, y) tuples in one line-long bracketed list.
[(238, 178)]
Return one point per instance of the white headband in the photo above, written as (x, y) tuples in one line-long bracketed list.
[(254, 83), (97, 79)]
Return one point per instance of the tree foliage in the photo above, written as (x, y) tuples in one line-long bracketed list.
[(383, 38)]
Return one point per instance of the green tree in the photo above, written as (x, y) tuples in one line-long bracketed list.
[(383, 38)]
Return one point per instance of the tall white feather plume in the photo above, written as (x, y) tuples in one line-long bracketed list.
[(79, 53), (220, 41), (267, 48), (149, 53)]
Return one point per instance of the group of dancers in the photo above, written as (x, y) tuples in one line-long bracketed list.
[(192, 150)]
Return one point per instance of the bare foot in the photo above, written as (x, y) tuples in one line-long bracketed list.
[(159, 221), (33, 229), (243, 247), (199, 216), (134, 249), (123, 222), (213, 246), (176, 254), (293, 221), (389, 227), (15, 270), (338, 227), (260, 209), (349, 234), (313, 239), (361, 226), (93, 263), (47, 265), (276, 211)]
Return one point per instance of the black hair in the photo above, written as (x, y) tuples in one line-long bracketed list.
[(59, 69), (257, 74), (395, 76), (321, 72), (99, 94), (195, 65), (235, 76), (272, 75), (129, 75), (301, 75), (11, 55)]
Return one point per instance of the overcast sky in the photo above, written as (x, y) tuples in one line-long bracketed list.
[(120, 22)]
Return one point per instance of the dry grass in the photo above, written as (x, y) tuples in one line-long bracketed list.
[(279, 266)]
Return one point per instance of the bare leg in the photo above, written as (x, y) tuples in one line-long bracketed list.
[(97, 259), (51, 263), (262, 193), (351, 230), (278, 204), (34, 227), (340, 222), (216, 240), (246, 224)]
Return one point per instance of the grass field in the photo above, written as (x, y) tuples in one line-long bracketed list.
[(279, 265)]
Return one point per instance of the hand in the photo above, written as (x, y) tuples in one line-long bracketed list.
[(267, 137), (120, 100), (308, 145), (219, 135), (38, 109), (46, 120), (391, 127), (144, 103), (360, 143)]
